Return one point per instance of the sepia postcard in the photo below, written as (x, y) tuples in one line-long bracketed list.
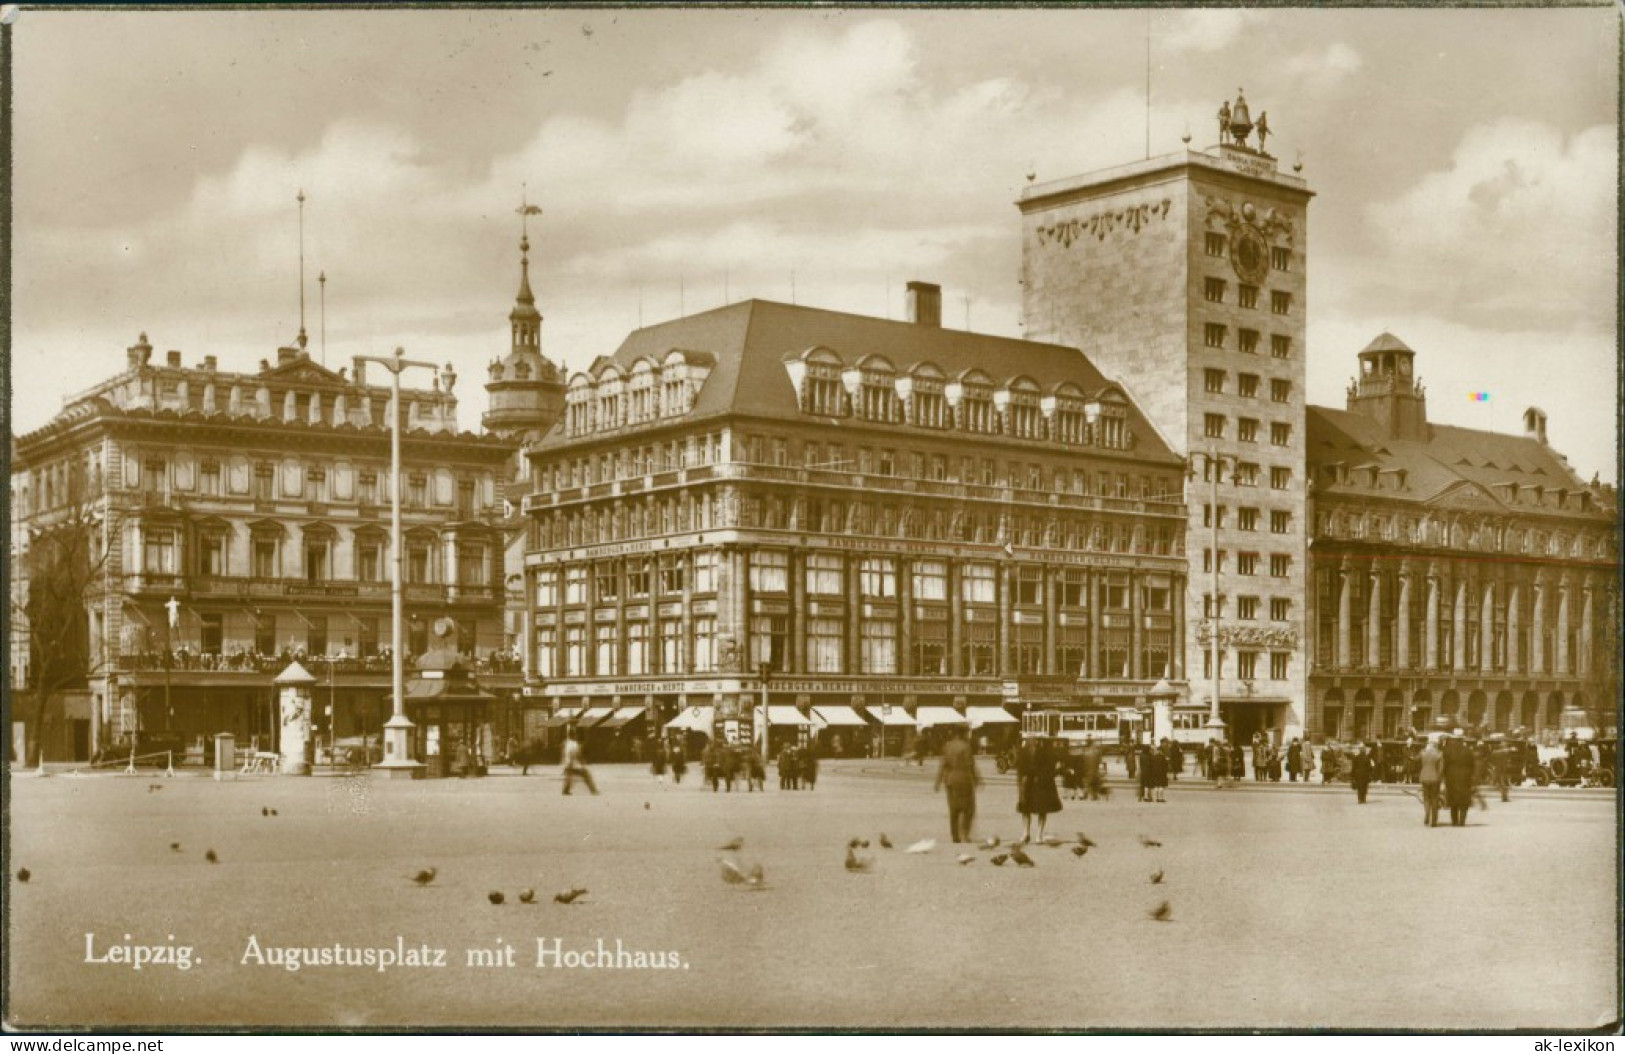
[(567, 518)]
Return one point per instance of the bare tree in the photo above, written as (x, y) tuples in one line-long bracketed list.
[(64, 570)]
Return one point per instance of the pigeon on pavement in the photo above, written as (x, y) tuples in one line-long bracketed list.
[(1020, 856), (1150, 843), (174, 847), (998, 861), (23, 874), (210, 857), (1156, 877), (265, 811), (733, 846), (424, 877), (1079, 850), (966, 858), (924, 845), (1162, 912), (495, 897), (885, 843), (569, 896), (991, 843), (527, 896), (1084, 841), (854, 862)]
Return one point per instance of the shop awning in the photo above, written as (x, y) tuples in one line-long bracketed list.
[(839, 715), (989, 715), (927, 716), (567, 713), (695, 719), (623, 717), (593, 716), (786, 715), (896, 717)]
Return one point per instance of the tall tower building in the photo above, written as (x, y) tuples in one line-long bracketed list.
[(1183, 277)]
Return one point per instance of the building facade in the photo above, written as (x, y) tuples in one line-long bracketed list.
[(1185, 277), (1457, 574), (240, 520), (843, 513)]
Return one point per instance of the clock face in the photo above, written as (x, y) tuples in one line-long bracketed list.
[(1249, 254)]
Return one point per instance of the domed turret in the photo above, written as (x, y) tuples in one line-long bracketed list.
[(526, 390)]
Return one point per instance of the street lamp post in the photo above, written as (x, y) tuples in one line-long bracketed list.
[(398, 729)]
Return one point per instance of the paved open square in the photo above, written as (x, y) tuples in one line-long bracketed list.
[(1288, 907)]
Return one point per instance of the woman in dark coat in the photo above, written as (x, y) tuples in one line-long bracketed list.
[(1035, 786), (1458, 780), (679, 762)]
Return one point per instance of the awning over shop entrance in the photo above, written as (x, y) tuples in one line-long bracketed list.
[(593, 716), (838, 715), (786, 715), (927, 716), (896, 717), (695, 719), (989, 715), (623, 717)]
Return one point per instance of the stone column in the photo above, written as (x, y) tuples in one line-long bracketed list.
[(798, 611), (1587, 616), (1136, 632), (1052, 576), (905, 617), (1537, 635), (1402, 625), (1344, 600), (1514, 625), (854, 615), (1486, 629), (1430, 628), (1006, 580), (1373, 620), (1458, 629), (1176, 646), (1092, 591), (1564, 588), (956, 620)]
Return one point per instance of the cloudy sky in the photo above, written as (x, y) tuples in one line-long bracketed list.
[(1464, 160)]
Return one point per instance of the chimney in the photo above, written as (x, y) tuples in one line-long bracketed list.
[(925, 304), (173, 359), (211, 363), (1534, 424)]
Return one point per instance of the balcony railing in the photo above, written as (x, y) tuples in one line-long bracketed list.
[(273, 588), (186, 660)]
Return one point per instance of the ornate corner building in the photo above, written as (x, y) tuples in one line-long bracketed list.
[(239, 520), (844, 511), (1457, 573)]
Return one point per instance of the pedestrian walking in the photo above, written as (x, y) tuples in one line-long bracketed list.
[(1035, 786), (711, 766), (755, 769), (1430, 773), (1458, 779), (1330, 762), (1092, 765), (728, 764), (1501, 767), (679, 762), (1481, 773), (1238, 760), (1176, 757), (657, 761), (1294, 759), (1260, 760), (1072, 777), (1308, 761), (958, 776), (787, 768), (575, 766), (808, 767), (1218, 763), (1156, 764), (1360, 772), (1144, 753)]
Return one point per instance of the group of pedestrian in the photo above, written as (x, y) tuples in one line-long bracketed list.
[(724, 764), (798, 768), (666, 756), (1300, 760), (1154, 766), (1450, 771)]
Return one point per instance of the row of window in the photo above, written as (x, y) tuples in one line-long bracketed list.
[(825, 574), (1214, 427), (1481, 535), (1217, 243), (1280, 564), (631, 461), (1248, 518), (1570, 661), (601, 650), (1248, 473), (1217, 335), (310, 483), (1248, 608), (695, 509), (162, 555), (1247, 664), (1214, 381), (1213, 291)]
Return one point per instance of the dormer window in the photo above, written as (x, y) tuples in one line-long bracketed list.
[(1022, 417), (877, 392)]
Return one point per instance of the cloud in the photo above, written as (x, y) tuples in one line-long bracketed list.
[(1517, 233), (1325, 67), (1204, 30)]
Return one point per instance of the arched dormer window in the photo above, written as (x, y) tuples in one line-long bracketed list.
[(1068, 421), (643, 397), (1018, 406), (876, 397), (922, 390), (578, 405), (1110, 419), (611, 399), (971, 396), (816, 374)]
